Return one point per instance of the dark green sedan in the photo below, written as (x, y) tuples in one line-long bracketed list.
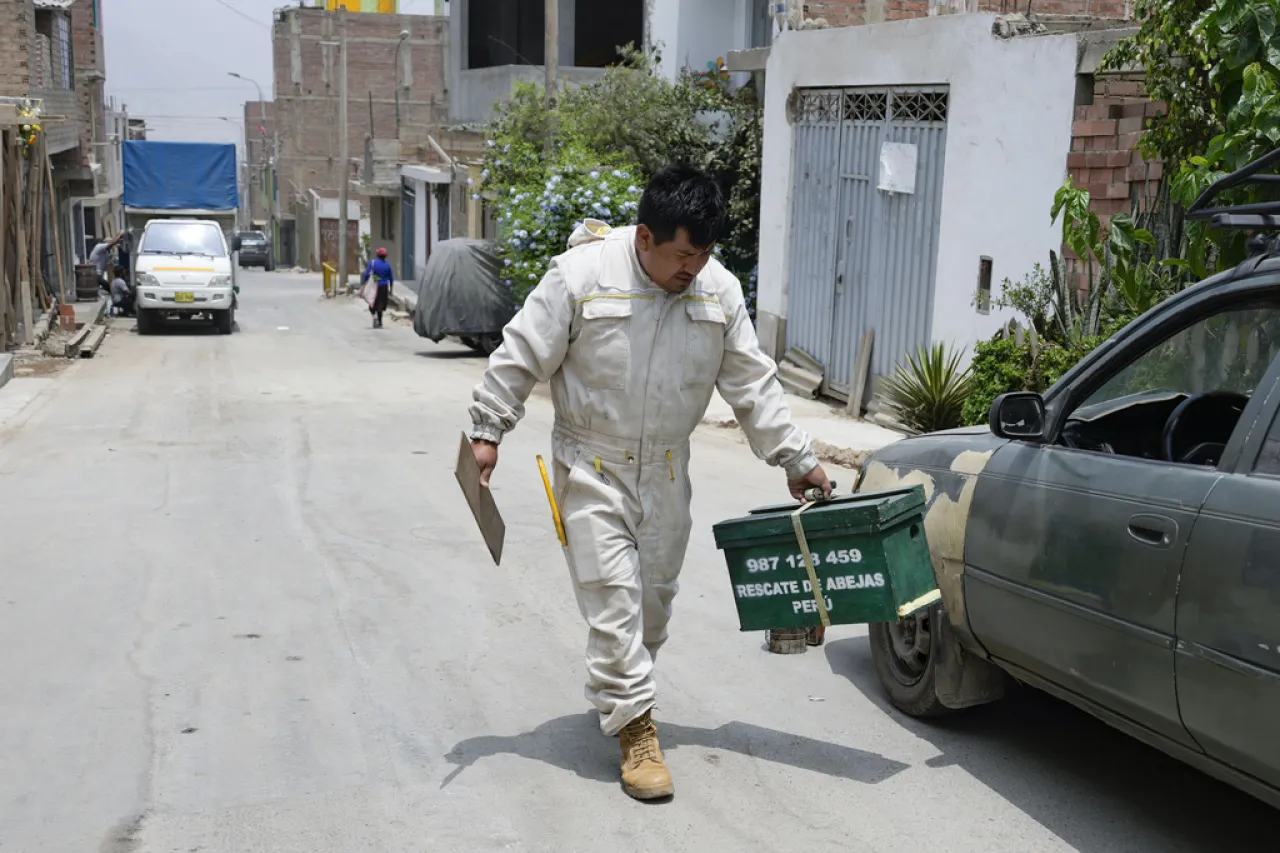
[(1116, 542)]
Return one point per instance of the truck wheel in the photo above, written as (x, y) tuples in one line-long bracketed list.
[(226, 320), (906, 655), (146, 323)]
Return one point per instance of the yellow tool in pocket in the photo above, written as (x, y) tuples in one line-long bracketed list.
[(551, 498)]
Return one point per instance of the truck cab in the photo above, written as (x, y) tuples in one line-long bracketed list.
[(184, 270)]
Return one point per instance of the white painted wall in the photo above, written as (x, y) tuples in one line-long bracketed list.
[(331, 208), (1008, 134), (695, 32)]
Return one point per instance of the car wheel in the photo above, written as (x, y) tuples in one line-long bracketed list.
[(489, 343), (269, 266), (470, 342), (226, 321), (146, 323), (905, 655)]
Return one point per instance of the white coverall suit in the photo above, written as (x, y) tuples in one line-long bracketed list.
[(632, 369)]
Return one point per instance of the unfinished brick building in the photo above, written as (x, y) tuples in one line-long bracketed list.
[(52, 51), (392, 84)]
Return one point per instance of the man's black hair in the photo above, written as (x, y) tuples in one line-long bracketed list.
[(681, 196)]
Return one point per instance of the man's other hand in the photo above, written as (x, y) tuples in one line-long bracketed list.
[(816, 477), (486, 453)]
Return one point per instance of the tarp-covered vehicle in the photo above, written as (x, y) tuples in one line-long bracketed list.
[(461, 295), (1116, 541)]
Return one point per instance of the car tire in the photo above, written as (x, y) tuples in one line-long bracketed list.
[(146, 322), (489, 343), (269, 266), (226, 321), (905, 654)]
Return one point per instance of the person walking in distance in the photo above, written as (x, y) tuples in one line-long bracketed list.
[(380, 271), (635, 329)]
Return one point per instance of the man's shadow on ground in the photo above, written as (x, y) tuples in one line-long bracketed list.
[(574, 743)]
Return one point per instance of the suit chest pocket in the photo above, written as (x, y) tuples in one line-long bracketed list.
[(703, 342), (602, 346)]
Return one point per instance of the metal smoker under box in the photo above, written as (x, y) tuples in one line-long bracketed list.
[(868, 552)]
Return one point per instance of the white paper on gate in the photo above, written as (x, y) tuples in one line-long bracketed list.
[(898, 167)]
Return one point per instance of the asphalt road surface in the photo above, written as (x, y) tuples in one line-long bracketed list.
[(243, 607)]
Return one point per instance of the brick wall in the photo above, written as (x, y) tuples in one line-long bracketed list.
[(306, 94), (91, 66), (17, 35), (848, 13), (1105, 136)]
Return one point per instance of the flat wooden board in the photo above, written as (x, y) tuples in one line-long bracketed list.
[(480, 499)]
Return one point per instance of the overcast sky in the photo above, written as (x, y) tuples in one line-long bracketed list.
[(169, 61)]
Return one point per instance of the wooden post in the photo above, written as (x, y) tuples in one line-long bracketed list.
[(861, 374), (5, 191), (24, 268), (35, 192), (57, 238)]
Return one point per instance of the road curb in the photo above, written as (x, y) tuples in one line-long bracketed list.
[(6, 369)]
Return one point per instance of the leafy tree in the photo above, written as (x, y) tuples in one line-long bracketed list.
[(628, 123)]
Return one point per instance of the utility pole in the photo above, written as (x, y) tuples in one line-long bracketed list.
[(551, 61), (344, 154), (551, 64), (272, 195)]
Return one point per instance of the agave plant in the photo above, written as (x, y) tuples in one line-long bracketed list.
[(928, 392)]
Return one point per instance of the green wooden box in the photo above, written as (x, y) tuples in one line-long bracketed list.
[(868, 550)]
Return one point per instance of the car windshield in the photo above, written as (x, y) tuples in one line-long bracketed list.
[(253, 237), (183, 238)]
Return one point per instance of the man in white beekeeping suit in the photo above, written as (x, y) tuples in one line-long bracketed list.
[(635, 328)]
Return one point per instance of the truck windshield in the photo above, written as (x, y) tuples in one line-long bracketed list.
[(183, 238)]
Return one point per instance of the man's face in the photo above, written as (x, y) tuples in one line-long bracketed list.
[(672, 265)]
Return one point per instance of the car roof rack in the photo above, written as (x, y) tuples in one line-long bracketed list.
[(1260, 216)]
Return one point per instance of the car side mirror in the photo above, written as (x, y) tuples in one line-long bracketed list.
[(1018, 415), (235, 244)]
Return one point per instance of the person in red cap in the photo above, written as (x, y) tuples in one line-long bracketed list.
[(380, 271)]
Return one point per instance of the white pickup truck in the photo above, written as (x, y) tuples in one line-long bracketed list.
[(184, 270)]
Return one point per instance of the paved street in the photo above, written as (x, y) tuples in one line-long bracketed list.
[(243, 607)]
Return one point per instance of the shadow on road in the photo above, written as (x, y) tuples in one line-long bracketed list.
[(574, 743), (192, 329), (1055, 763), (452, 353)]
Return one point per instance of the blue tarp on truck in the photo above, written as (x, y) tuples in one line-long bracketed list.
[(180, 176)]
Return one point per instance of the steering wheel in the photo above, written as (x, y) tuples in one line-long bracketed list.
[(1201, 453)]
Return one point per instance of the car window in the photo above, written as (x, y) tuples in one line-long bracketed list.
[(1229, 351), (1139, 410), (183, 238)]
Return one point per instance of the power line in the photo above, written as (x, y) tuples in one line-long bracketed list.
[(247, 17)]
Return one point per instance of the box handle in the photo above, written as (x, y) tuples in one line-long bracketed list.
[(798, 527)]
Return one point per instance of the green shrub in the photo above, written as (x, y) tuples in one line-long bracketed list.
[(541, 212), (999, 365), (592, 155), (1002, 365), (928, 393)]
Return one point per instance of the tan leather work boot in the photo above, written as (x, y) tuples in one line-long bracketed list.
[(644, 772)]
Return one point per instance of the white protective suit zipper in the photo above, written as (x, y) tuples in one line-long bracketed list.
[(648, 374)]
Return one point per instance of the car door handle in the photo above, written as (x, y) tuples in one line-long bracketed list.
[(1158, 531)]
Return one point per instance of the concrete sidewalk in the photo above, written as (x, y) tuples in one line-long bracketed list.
[(837, 438)]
